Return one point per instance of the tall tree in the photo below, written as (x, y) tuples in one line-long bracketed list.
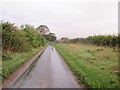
[(43, 29), (50, 37)]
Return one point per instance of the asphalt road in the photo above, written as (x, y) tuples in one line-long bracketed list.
[(50, 71)]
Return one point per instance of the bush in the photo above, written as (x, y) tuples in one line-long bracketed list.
[(15, 39), (5, 55), (35, 38), (105, 40)]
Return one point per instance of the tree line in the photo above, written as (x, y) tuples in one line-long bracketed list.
[(105, 40), (15, 39), (21, 39)]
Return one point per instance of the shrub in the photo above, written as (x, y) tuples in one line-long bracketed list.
[(15, 39), (105, 40)]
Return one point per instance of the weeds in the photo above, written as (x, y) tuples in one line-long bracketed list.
[(90, 64)]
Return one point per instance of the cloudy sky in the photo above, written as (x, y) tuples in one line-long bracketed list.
[(70, 18)]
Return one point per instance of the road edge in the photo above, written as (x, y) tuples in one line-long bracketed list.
[(74, 77), (22, 71)]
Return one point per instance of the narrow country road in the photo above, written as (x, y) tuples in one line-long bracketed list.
[(50, 71)]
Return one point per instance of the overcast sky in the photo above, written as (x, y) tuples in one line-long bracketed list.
[(70, 18)]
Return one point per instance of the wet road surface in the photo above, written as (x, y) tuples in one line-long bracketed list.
[(50, 71)]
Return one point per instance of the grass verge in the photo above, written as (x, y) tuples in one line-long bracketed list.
[(16, 60), (94, 66)]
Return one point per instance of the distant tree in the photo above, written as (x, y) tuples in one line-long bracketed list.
[(43, 29), (64, 38), (50, 37), (52, 34), (105, 40)]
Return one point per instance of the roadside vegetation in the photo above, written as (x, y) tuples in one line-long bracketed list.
[(16, 59), (18, 45), (94, 66), (99, 40)]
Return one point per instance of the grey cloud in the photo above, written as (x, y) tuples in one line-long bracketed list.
[(65, 18)]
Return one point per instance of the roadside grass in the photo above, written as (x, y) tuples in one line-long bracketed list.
[(16, 60), (95, 66)]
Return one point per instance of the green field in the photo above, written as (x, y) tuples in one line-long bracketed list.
[(96, 67), (15, 60)]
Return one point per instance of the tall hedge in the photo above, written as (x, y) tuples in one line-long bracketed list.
[(15, 39), (105, 40)]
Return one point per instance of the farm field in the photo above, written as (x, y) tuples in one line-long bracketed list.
[(94, 66)]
